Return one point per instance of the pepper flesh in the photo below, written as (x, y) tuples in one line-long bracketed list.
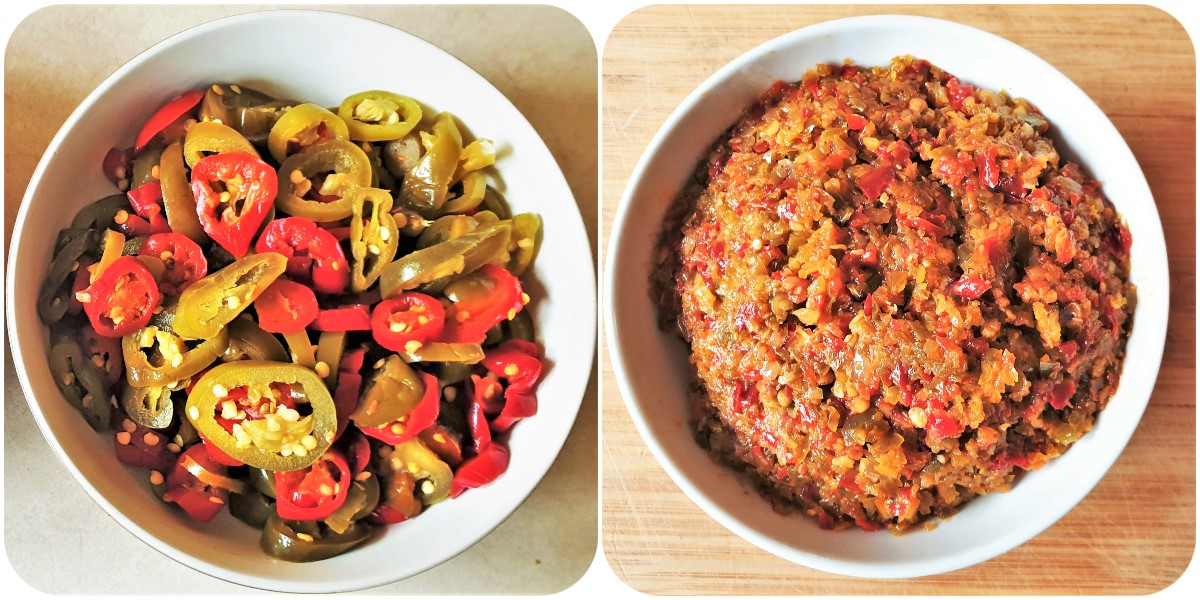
[(232, 215), (376, 115), (296, 451), (247, 341), (302, 126), (178, 201), (178, 362), (282, 539), (453, 257), (374, 237), (210, 137), (393, 391), (424, 188), (349, 165), (209, 304), (82, 383)]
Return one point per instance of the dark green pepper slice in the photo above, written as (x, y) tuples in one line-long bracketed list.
[(495, 203), (393, 391), (251, 508), (100, 214), (282, 439), (248, 111), (306, 541), (453, 257), (149, 406), (169, 358), (82, 384), (520, 327), (374, 237), (211, 137), (452, 372), (425, 186), (56, 292), (206, 306), (263, 481), (247, 341), (349, 168)]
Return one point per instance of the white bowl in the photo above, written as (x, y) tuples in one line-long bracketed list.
[(319, 57), (652, 366)]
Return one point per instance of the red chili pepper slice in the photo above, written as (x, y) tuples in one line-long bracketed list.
[(875, 181), (313, 252), (356, 317), (421, 418), (315, 492), (184, 261), (409, 317), (169, 113), (386, 515), (985, 165), (286, 307), (121, 300), (142, 447), (358, 453), (481, 433), (219, 455), (233, 194), (469, 321), (106, 352), (480, 470), (516, 361), (133, 225), (198, 499), (144, 198), (488, 393)]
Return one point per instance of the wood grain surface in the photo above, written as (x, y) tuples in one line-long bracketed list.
[(1135, 533)]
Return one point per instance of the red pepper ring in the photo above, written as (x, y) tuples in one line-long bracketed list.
[(121, 300), (480, 470), (407, 318), (314, 254), (516, 361), (286, 307), (169, 113), (315, 492), (481, 433), (184, 260), (421, 418), (232, 215), (349, 384)]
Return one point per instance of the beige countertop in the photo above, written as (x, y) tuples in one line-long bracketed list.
[(58, 540)]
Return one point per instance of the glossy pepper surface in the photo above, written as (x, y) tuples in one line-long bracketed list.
[(234, 193), (209, 304)]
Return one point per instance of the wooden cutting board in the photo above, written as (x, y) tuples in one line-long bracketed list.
[(1135, 533)]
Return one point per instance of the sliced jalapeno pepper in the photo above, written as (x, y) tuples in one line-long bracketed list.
[(524, 242), (248, 111), (474, 185), (100, 213), (433, 476), (441, 352), (330, 348), (306, 541), (247, 341), (178, 201), (82, 383), (446, 228), (374, 237), (210, 137), (362, 499), (453, 257), (424, 188), (149, 406), (301, 349), (479, 301), (344, 167), (251, 508), (376, 115), (302, 126), (393, 391), (57, 294), (209, 304), (175, 361), (279, 439)]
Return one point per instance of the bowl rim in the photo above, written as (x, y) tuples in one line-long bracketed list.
[(618, 342), (577, 390)]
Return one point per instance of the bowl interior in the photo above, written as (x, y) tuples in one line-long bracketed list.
[(315, 57), (652, 367)]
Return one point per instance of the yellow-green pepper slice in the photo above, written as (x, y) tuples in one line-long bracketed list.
[(175, 361), (460, 255), (362, 498), (374, 237), (425, 186), (178, 200), (209, 304), (248, 111), (443, 352), (283, 439), (432, 474), (302, 126), (377, 116), (524, 242), (331, 345), (211, 137), (350, 169)]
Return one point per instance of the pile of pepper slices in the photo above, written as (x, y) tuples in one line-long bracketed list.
[(312, 316)]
